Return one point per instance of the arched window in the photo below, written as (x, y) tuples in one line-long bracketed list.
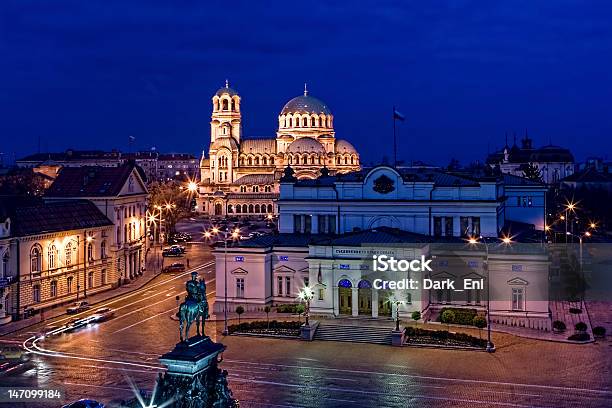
[(238, 209), (53, 289), (242, 161), (243, 189), (250, 161), (90, 280), (6, 258), (69, 283), (345, 160), (256, 189), (257, 161), (311, 159), (290, 160), (256, 208), (244, 208), (345, 283), (270, 208), (68, 254), (265, 161), (52, 255), (230, 209), (225, 104), (125, 233), (271, 160), (103, 250), (290, 122), (35, 264), (352, 159), (312, 121), (267, 189), (90, 255), (251, 208), (305, 122)]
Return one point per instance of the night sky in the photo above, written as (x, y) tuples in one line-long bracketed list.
[(87, 74)]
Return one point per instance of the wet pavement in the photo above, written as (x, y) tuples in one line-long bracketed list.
[(98, 361)]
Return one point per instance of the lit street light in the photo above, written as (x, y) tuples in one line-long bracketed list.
[(235, 235), (306, 295)]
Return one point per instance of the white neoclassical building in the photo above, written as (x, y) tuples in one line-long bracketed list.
[(331, 227), (239, 176)]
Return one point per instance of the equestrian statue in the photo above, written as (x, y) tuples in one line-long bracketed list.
[(194, 308)]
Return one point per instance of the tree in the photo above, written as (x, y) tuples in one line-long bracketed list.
[(171, 198), (532, 172), (448, 317), (299, 309), (416, 316), (267, 311), (239, 311), (480, 322)]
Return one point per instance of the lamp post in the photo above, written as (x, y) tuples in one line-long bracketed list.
[(235, 235), (306, 295)]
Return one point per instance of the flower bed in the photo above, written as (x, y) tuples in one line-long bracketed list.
[(275, 328), (460, 315), (442, 338)]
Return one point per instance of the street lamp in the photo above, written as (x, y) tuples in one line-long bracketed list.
[(580, 238), (235, 235), (397, 302), (306, 295)]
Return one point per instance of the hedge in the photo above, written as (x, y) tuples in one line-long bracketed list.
[(462, 316), (287, 308), (443, 335), (290, 328)]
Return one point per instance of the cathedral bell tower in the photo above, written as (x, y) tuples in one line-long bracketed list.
[(225, 133), (226, 119)]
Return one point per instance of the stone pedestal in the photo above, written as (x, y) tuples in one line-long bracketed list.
[(193, 379), (307, 332), (397, 338)]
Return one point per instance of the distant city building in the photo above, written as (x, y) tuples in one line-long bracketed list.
[(553, 162), (121, 194), (52, 253), (590, 178), (156, 166), (332, 226), (240, 175)]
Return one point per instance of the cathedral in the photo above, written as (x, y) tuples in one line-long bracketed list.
[(240, 176)]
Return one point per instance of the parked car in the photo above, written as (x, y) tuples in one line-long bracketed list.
[(171, 252), (175, 267), (78, 307), (102, 314), (180, 248)]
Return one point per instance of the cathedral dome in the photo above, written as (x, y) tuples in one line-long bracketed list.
[(342, 146), (305, 104), (306, 145), (227, 142), (226, 90)]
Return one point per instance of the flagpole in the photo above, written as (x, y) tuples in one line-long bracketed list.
[(394, 141)]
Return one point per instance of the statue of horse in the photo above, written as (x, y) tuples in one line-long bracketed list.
[(194, 308)]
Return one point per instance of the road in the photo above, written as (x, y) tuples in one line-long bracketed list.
[(101, 361)]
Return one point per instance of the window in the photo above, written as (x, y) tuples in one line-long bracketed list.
[(437, 226), (267, 189), (287, 286), (36, 293), (327, 224), (103, 277), (53, 289), (240, 287), (256, 189), (35, 259), (517, 299), (90, 280), (90, 252), (69, 282), (279, 288), (103, 250), (52, 255), (297, 223), (307, 224), (470, 226), (243, 189)]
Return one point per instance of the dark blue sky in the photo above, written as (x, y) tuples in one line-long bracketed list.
[(87, 74)]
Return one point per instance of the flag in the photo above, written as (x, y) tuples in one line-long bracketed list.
[(397, 115)]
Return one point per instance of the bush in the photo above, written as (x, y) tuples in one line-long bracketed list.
[(461, 316), (480, 322), (558, 325), (581, 326), (599, 331), (447, 316), (287, 308), (582, 336), (416, 315)]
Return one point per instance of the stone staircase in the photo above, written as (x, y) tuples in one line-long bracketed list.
[(352, 333)]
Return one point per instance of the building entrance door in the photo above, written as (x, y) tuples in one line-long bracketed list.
[(218, 209), (384, 305), (345, 297), (365, 297)]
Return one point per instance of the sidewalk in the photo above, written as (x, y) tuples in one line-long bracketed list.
[(147, 276)]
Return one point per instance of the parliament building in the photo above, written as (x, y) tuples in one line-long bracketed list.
[(240, 176)]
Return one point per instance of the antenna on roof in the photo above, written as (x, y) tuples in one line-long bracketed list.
[(305, 89)]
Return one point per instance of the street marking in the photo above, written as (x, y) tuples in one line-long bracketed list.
[(144, 320)]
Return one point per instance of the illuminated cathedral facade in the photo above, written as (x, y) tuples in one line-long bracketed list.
[(240, 176)]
